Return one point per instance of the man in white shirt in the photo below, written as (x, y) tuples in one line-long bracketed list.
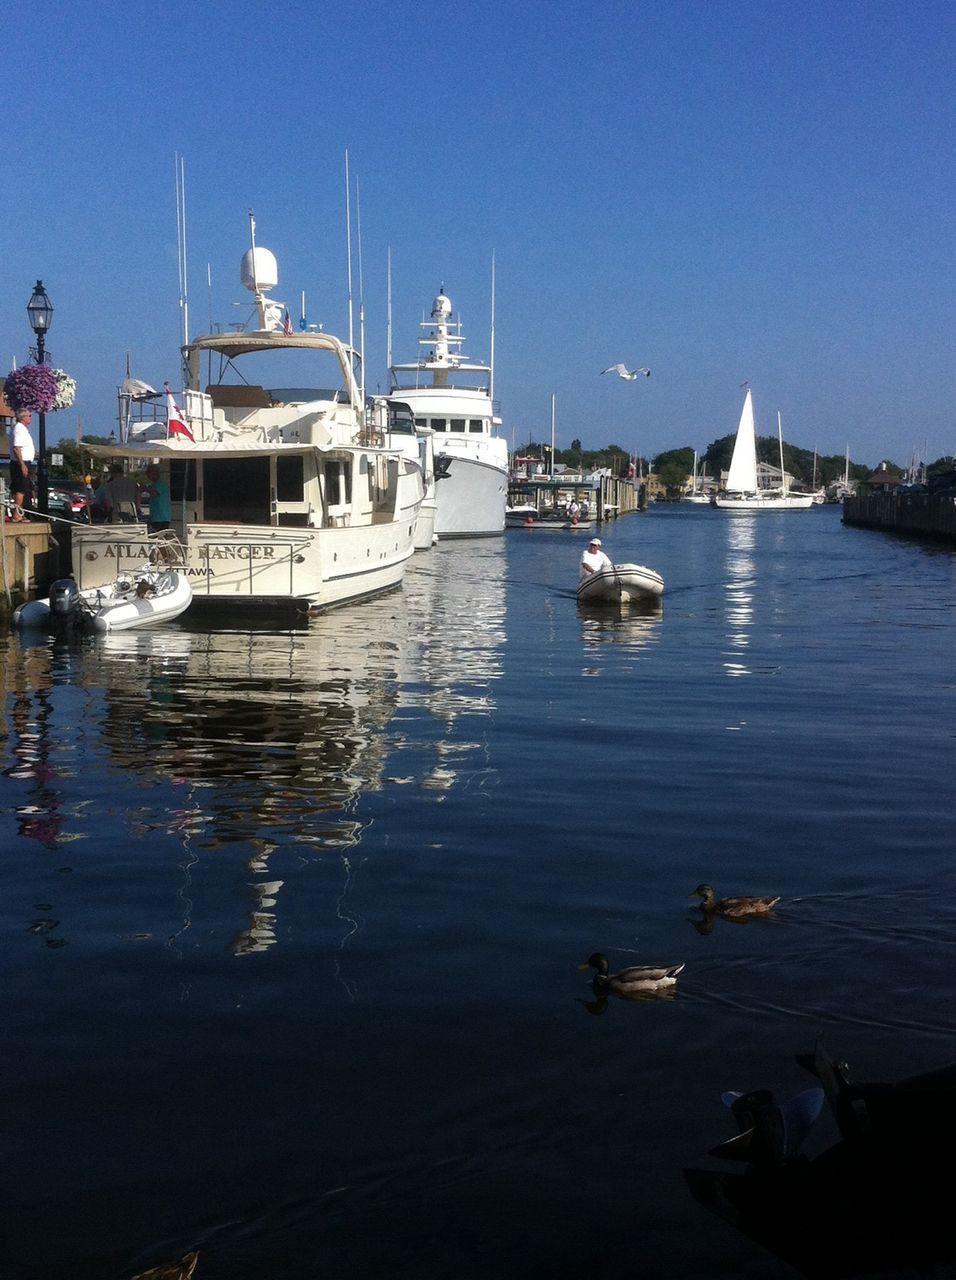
[(22, 454), (594, 559)]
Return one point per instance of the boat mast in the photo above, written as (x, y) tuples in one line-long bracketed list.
[(491, 359), (348, 255), (181, 245), (358, 228), (388, 312), (783, 482), (551, 477)]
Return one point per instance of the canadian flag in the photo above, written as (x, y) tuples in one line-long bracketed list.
[(175, 420)]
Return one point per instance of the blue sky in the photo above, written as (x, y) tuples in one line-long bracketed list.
[(721, 191)]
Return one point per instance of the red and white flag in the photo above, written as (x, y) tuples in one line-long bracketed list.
[(175, 418), (287, 322)]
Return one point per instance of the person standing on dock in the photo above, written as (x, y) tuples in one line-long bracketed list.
[(22, 453), (594, 559)]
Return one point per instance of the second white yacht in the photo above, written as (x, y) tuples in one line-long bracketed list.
[(453, 396)]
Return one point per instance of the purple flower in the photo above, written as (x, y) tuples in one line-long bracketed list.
[(33, 387)]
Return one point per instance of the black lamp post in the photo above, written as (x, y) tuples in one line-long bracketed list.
[(40, 311)]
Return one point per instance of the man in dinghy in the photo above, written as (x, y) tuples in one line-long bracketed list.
[(594, 559)]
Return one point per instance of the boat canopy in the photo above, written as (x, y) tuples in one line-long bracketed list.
[(232, 345)]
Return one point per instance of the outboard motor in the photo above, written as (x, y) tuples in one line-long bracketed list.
[(65, 604)]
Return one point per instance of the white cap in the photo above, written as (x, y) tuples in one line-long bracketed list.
[(595, 542)]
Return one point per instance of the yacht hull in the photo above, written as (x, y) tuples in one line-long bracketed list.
[(470, 498)]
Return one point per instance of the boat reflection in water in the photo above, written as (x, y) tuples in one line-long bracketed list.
[(741, 579), (635, 625), (274, 735), (457, 597)]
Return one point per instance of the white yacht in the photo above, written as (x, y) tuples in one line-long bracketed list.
[(280, 493), (456, 403)]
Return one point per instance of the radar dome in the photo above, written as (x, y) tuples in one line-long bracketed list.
[(259, 270), (441, 307)]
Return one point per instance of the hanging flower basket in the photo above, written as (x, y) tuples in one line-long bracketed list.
[(65, 390), (31, 387), (39, 388)]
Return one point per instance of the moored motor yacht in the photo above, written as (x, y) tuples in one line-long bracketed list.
[(286, 489), (456, 403)]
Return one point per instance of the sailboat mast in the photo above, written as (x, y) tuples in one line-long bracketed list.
[(783, 482), (552, 436)]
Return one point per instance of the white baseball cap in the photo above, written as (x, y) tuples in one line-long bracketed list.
[(595, 542)]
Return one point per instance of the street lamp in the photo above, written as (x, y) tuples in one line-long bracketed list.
[(40, 311)]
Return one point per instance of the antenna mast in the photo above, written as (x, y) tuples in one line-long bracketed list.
[(491, 358), (348, 254), (358, 228), (181, 245), (388, 313)]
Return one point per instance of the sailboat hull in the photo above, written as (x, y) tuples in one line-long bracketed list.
[(773, 502)]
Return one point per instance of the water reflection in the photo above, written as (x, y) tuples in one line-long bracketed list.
[(741, 578), (269, 737), (634, 625), (456, 594)]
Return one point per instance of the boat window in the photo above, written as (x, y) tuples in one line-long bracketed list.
[(400, 418), (458, 424), (338, 484), (439, 424), (236, 489), (421, 422), (182, 480), (289, 478), (475, 424)]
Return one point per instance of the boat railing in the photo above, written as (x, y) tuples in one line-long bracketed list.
[(147, 419), (164, 550)]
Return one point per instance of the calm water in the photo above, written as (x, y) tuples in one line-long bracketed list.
[(291, 920)]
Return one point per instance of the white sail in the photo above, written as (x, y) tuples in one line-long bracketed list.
[(742, 476)]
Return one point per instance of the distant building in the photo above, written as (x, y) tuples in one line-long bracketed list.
[(882, 480)]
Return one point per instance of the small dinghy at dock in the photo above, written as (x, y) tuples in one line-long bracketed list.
[(618, 582), (156, 591)]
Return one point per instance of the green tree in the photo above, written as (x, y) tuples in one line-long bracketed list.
[(679, 457), (673, 476), (76, 460)]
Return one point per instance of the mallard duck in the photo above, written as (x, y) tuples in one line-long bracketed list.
[(733, 908), (181, 1270), (637, 980)]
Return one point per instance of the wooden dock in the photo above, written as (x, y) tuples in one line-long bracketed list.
[(921, 515), (29, 561)]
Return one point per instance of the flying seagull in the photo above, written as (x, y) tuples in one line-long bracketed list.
[(622, 371)]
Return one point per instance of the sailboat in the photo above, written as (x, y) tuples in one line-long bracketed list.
[(842, 489), (742, 492), (697, 493)]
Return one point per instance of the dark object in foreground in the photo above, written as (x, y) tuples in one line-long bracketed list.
[(181, 1270), (878, 1201)]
